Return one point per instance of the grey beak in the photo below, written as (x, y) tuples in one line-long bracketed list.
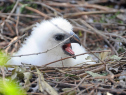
[(75, 38)]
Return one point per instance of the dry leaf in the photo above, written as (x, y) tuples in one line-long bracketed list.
[(43, 85), (103, 55)]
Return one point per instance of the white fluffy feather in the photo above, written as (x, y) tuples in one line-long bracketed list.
[(41, 39)]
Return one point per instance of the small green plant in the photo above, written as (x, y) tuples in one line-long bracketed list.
[(114, 16), (7, 86), (3, 58), (7, 8), (121, 50), (102, 20), (80, 33), (23, 10)]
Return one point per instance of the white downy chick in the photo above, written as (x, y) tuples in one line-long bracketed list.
[(47, 35)]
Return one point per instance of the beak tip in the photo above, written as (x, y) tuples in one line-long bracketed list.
[(80, 44), (74, 57), (75, 39)]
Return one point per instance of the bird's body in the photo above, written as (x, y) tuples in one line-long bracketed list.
[(45, 36)]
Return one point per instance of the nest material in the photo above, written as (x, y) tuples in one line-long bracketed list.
[(87, 79), (99, 27)]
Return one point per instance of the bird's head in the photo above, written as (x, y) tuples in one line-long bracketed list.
[(56, 32)]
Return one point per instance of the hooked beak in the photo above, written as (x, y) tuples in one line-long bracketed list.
[(67, 48), (75, 39)]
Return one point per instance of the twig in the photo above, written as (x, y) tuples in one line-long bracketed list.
[(48, 7), (80, 93), (15, 41), (69, 15), (79, 5), (3, 73), (111, 47), (34, 10), (17, 32), (12, 19), (75, 86), (22, 15), (9, 15), (95, 30), (44, 51), (10, 28), (100, 68)]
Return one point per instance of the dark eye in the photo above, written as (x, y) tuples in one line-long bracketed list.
[(59, 37)]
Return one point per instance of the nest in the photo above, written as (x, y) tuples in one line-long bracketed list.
[(102, 31)]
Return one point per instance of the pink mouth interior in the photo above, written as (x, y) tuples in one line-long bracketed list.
[(67, 47)]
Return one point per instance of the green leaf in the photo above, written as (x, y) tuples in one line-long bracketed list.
[(72, 92), (115, 57), (27, 77), (80, 33), (94, 74), (8, 87), (22, 7), (3, 58)]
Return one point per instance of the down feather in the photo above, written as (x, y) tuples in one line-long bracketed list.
[(46, 35)]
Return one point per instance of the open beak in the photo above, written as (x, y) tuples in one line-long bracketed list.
[(67, 48)]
